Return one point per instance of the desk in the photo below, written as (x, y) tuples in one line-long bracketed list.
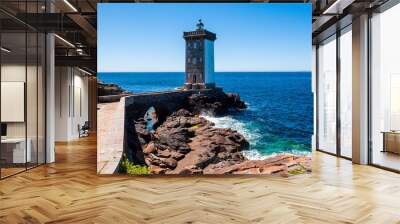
[(13, 150), (391, 141)]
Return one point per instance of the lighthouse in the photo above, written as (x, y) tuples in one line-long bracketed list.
[(199, 66)]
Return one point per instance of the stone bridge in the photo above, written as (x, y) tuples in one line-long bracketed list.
[(115, 122)]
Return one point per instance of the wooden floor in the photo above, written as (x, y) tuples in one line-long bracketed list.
[(69, 191), (386, 159), (8, 171)]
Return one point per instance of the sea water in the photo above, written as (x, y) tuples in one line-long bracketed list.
[(279, 117)]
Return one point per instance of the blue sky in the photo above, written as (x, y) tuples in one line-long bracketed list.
[(250, 36)]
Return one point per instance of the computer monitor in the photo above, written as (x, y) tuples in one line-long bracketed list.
[(3, 129)]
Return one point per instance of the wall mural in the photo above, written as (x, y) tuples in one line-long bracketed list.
[(191, 89)]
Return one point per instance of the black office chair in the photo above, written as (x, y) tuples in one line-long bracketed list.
[(84, 130)]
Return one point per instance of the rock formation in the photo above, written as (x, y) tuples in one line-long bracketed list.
[(110, 92), (185, 143), (106, 89), (216, 104)]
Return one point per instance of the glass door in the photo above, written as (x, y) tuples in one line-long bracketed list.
[(346, 92), (385, 89), (327, 95)]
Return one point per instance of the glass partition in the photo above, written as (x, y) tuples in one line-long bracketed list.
[(385, 89), (327, 95), (13, 94), (346, 92), (22, 78)]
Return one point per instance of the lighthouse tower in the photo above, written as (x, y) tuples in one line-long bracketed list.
[(199, 58)]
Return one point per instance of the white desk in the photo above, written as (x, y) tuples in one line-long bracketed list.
[(18, 149)]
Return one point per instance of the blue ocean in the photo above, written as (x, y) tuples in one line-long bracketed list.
[(279, 117)]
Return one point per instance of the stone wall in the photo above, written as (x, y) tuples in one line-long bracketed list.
[(137, 105), (164, 102)]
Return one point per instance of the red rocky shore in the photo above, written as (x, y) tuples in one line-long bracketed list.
[(186, 143)]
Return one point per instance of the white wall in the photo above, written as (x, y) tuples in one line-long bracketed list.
[(71, 102), (16, 73), (209, 61), (62, 83), (80, 112), (12, 73), (12, 101), (33, 126)]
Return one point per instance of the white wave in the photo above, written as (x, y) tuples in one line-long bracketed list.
[(228, 122), (300, 152), (254, 155), (252, 136)]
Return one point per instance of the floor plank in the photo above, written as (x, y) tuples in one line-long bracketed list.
[(69, 191)]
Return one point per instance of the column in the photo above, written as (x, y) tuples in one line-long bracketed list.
[(360, 90)]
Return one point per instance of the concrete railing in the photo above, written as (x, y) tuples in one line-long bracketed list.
[(110, 136)]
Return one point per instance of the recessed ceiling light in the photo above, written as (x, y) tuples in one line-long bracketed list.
[(64, 40), (337, 7), (70, 5), (84, 71), (5, 50), (331, 7)]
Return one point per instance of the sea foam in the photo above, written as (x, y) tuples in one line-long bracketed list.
[(252, 136)]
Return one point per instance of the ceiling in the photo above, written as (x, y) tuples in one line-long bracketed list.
[(75, 22)]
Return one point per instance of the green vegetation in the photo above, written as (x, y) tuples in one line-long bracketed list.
[(296, 171), (132, 169), (195, 126)]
